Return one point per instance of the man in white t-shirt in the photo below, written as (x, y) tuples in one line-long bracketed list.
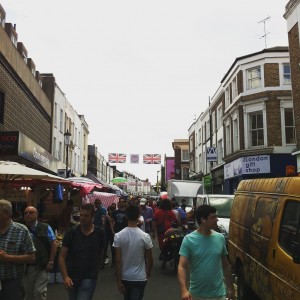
[(132, 246)]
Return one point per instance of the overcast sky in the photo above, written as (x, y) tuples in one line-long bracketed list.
[(139, 71)]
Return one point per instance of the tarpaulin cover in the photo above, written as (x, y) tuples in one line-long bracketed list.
[(106, 198)]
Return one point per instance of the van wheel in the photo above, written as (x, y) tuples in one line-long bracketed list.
[(243, 291)]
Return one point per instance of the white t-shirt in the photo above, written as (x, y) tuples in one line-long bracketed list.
[(133, 243)]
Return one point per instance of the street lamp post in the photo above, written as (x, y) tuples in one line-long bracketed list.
[(67, 136)]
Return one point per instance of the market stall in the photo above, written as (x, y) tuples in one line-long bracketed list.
[(106, 198)]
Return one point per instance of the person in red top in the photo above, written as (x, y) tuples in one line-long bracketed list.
[(163, 219)]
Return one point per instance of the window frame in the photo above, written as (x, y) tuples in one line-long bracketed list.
[(219, 116), (286, 81), (252, 79), (284, 105), (228, 137), (256, 129), (251, 108), (183, 158), (235, 134)]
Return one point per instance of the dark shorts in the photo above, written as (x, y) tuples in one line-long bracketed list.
[(12, 289)]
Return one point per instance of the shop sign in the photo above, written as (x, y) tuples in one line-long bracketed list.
[(9, 141), (211, 154), (36, 154), (207, 184), (16, 195), (247, 165)]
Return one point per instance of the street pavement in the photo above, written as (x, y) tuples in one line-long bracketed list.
[(162, 284)]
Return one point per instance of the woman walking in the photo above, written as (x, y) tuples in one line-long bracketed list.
[(163, 219)]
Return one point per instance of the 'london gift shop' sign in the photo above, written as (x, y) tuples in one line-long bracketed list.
[(247, 165)]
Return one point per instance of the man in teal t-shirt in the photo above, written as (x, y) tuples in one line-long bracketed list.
[(204, 253)]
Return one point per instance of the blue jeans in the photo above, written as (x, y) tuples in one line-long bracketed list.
[(134, 290), (83, 290)]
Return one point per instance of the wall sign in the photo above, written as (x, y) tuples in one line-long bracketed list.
[(247, 165), (211, 154)]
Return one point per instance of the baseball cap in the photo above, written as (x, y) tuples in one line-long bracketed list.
[(143, 201)]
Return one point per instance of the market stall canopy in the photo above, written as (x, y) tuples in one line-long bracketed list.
[(85, 185), (10, 171), (119, 191), (106, 198), (107, 187)]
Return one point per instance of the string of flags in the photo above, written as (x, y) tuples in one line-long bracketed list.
[(120, 158)]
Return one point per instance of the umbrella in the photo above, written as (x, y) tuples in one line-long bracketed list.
[(119, 180), (10, 170)]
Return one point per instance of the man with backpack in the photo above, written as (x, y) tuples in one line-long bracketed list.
[(36, 275), (81, 252)]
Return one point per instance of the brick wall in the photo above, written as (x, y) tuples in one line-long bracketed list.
[(271, 75), (273, 121), (21, 113), (294, 48)]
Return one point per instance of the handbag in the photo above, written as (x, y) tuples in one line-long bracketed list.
[(161, 226)]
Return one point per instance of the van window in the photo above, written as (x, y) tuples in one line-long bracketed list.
[(289, 228)]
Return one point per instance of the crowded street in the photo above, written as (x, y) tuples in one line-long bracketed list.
[(149, 150), (162, 284)]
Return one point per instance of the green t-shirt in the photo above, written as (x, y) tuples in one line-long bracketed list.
[(204, 254)]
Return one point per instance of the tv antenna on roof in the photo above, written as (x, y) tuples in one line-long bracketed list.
[(265, 32)]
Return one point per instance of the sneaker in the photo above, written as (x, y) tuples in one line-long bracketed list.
[(106, 261)]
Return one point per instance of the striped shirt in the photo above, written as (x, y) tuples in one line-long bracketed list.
[(15, 241)]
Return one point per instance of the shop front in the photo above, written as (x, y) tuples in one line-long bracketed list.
[(259, 166), (16, 146)]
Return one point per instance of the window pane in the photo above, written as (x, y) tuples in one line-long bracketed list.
[(290, 135), (286, 68), (260, 120), (253, 121), (260, 137), (254, 138), (289, 117)]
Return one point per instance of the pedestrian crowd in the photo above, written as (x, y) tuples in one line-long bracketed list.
[(29, 251)]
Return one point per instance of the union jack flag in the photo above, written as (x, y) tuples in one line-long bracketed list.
[(151, 159), (117, 158)]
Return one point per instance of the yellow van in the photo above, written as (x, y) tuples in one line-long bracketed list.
[(264, 238)]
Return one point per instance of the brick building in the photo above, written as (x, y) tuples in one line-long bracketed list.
[(248, 130), (181, 158), (292, 13), (25, 110)]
